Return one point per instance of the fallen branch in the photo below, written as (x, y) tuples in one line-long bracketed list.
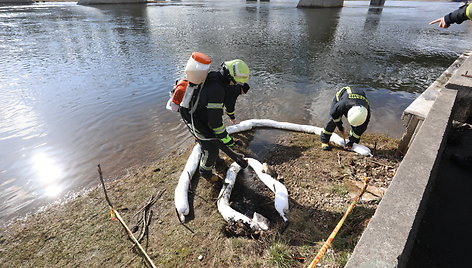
[(378, 163), (181, 222), (145, 219), (339, 160), (118, 216)]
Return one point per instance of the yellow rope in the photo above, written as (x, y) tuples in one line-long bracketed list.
[(338, 226)]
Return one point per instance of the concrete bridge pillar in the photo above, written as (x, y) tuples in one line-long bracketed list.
[(320, 3), (101, 2), (377, 2)]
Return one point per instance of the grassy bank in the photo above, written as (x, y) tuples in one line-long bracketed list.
[(81, 233)]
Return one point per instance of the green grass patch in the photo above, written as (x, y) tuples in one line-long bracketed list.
[(279, 255), (339, 189)]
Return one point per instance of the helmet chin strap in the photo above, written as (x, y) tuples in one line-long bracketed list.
[(224, 71)]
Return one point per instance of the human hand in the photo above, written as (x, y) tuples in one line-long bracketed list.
[(233, 121), (238, 142), (245, 87), (442, 22), (348, 146)]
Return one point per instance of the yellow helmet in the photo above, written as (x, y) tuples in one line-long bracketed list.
[(357, 115), (238, 69)]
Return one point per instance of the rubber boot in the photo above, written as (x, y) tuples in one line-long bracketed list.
[(325, 147), (220, 161)]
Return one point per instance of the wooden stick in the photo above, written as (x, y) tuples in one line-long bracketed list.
[(120, 219), (103, 185), (339, 160), (378, 163), (338, 226), (131, 236)]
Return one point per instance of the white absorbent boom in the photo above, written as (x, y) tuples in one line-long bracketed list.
[(281, 194)]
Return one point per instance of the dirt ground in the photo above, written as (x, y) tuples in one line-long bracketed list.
[(321, 186)]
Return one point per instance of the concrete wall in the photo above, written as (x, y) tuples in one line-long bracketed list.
[(462, 82), (101, 2), (390, 234), (416, 112), (320, 3)]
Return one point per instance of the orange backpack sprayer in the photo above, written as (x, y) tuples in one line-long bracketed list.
[(196, 72), (179, 91)]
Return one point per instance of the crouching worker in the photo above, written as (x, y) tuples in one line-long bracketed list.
[(205, 119), (353, 104)]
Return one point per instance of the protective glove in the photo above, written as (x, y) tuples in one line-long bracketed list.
[(230, 143), (245, 87), (238, 142), (349, 145)]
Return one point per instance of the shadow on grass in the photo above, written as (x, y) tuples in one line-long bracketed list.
[(310, 226)]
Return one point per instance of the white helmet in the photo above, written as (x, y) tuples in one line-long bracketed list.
[(357, 115)]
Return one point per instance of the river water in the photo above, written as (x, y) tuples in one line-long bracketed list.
[(83, 85)]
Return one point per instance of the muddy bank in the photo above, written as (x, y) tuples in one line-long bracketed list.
[(81, 233)]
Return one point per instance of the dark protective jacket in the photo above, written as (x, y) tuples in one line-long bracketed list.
[(215, 96), (459, 15), (344, 100)]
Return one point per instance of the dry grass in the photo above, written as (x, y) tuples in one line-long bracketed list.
[(81, 233)]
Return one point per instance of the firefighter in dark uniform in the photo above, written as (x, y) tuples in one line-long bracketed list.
[(353, 104), (457, 16), (217, 96)]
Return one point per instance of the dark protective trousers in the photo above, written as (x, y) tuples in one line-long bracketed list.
[(209, 149), (208, 160)]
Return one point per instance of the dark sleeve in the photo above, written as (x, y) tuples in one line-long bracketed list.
[(458, 16), (230, 100), (230, 112), (336, 112), (215, 113)]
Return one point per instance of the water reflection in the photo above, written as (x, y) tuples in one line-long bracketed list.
[(48, 173), (373, 18)]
